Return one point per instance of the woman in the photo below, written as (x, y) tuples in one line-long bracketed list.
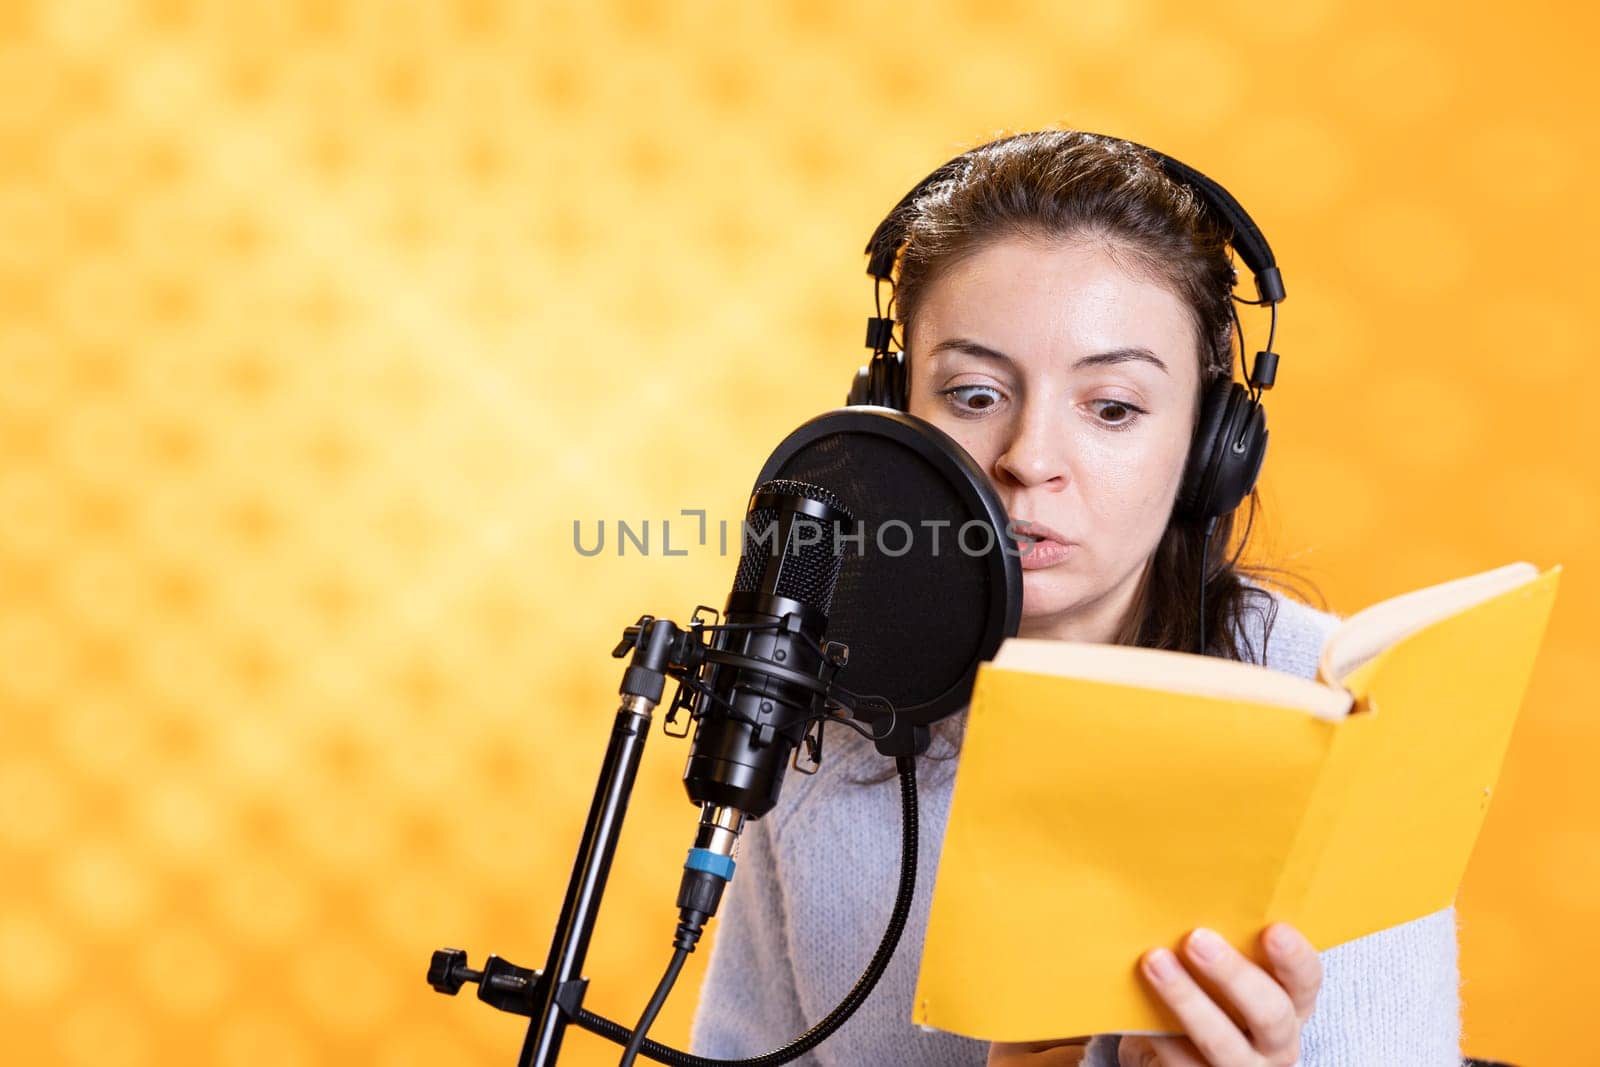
[(1063, 306)]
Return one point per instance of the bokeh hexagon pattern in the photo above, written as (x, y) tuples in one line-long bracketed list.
[(322, 323)]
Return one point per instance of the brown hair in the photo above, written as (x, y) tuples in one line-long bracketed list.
[(1071, 185)]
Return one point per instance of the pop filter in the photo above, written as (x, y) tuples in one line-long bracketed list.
[(934, 583)]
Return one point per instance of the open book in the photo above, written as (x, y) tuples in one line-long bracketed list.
[(1109, 799)]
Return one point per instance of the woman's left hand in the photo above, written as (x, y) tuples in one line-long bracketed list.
[(1234, 1013)]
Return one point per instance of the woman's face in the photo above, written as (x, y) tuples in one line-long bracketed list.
[(1075, 387)]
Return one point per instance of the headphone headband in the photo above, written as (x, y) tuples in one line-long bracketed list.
[(1246, 236)]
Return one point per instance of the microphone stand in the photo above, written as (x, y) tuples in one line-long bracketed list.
[(552, 998)]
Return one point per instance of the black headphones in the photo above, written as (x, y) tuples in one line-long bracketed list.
[(1231, 436)]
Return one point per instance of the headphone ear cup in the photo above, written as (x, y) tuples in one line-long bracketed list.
[(899, 387), (881, 382), (860, 387), (1225, 458), (1213, 406)]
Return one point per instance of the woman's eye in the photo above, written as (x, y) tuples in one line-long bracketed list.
[(1122, 414), (971, 400)]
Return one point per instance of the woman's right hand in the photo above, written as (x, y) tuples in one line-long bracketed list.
[(1038, 1054)]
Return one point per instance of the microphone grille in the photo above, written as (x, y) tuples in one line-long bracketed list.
[(807, 572), (791, 487)]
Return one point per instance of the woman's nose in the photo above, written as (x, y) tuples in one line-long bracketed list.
[(1036, 452)]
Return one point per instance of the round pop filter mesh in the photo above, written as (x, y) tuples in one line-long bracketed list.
[(918, 606)]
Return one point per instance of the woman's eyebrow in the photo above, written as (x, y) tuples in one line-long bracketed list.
[(1132, 354), (971, 348), (1122, 355)]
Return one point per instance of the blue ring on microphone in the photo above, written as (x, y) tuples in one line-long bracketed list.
[(703, 859)]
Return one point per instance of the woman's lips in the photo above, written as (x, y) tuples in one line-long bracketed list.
[(1050, 549), (1043, 554)]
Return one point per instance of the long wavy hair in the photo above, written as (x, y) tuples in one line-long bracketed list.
[(1070, 185)]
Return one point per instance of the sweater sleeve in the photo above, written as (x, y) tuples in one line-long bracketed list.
[(1389, 997), (748, 1004)]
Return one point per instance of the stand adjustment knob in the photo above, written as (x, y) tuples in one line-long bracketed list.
[(448, 971), (501, 983)]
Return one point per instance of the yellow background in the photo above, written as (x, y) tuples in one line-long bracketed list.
[(321, 323)]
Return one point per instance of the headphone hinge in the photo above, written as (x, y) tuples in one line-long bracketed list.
[(1264, 370), (880, 333)]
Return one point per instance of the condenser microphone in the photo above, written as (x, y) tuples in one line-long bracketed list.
[(776, 618), (924, 617)]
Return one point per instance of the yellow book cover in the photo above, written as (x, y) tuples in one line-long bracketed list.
[(1109, 799)]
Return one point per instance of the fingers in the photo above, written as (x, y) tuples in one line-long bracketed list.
[(1261, 1002), (1136, 1052), (1208, 1026), (1295, 962), (1158, 1052), (1176, 1052), (1220, 985), (1036, 1054)]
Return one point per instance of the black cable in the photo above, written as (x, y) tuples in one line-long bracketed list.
[(1205, 546), (1272, 335), (907, 766), (1238, 329), (877, 303), (865, 731), (652, 1009)]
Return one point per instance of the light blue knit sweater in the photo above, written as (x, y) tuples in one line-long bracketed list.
[(816, 881)]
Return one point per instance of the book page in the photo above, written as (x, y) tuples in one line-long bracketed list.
[(1176, 672), (1369, 631)]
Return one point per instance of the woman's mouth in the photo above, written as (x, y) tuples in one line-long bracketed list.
[(1040, 545)]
